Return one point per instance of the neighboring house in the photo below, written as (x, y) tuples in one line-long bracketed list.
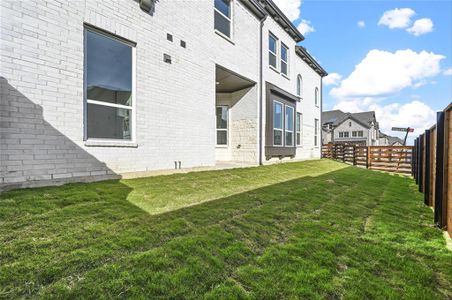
[(350, 128), (96, 89), (387, 140)]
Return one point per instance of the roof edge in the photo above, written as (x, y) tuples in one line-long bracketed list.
[(255, 8), (305, 56), (282, 20)]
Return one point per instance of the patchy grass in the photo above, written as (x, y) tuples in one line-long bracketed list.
[(317, 229)]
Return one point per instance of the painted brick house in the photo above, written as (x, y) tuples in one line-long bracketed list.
[(92, 89)]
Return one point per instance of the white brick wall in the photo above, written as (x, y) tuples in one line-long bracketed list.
[(311, 80), (41, 107)]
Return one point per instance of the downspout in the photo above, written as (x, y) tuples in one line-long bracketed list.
[(261, 83)]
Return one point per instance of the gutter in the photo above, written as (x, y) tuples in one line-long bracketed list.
[(261, 90)]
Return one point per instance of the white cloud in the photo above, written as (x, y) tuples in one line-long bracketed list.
[(332, 79), (397, 18), (291, 8), (361, 24), (421, 26), (305, 27), (415, 114), (448, 72), (383, 73)]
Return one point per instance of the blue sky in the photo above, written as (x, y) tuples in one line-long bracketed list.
[(402, 62)]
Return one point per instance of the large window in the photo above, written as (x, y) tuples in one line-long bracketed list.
[(299, 86), (222, 125), (298, 128), (109, 87), (272, 51), (277, 123), (223, 17), (284, 59), (316, 96), (316, 132), (289, 125)]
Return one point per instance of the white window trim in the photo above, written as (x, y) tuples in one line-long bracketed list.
[(300, 82), (299, 130), (275, 54), (230, 19), (108, 142), (222, 129), (282, 125), (282, 45), (285, 129)]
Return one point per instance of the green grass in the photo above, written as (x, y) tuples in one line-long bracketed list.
[(311, 230)]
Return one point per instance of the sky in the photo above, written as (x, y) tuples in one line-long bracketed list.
[(391, 57)]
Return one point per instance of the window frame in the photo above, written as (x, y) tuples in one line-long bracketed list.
[(281, 61), (285, 129), (275, 68), (86, 101), (222, 129), (282, 124), (316, 97), (298, 128), (300, 86), (316, 133), (230, 19), (345, 134)]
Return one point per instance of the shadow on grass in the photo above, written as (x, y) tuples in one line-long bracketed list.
[(311, 237)]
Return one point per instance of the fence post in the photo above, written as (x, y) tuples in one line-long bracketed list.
[(368, 158), (440, 143)]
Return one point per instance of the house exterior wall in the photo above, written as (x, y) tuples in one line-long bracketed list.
[(42, 88), (43, 85), (306, 105)]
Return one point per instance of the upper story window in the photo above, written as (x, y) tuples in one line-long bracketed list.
[(284, 59), (316, 96), (223, 17), (359, 133), (299, 86), (109, 72), (272, 51), (344, 134)]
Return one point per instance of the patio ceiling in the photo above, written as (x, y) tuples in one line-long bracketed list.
[(228, 81)]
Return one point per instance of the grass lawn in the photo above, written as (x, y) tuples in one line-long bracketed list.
[(317, 229)]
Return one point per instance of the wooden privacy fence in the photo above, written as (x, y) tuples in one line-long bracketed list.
[(432, 168), (396, 159)]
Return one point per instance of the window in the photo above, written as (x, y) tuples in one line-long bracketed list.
[(316, 96), (289, 110), (223, 19), (299, 86), (316, 132), (284, 59), (298, 127), (222, 125), (344, 134), (277, 124), (109, 86), (357, 133), (272, 51)]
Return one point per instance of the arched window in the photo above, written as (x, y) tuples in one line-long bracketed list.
[(299, 86), (316, 96)]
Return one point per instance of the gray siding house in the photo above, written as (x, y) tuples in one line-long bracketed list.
[(92, 90)]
